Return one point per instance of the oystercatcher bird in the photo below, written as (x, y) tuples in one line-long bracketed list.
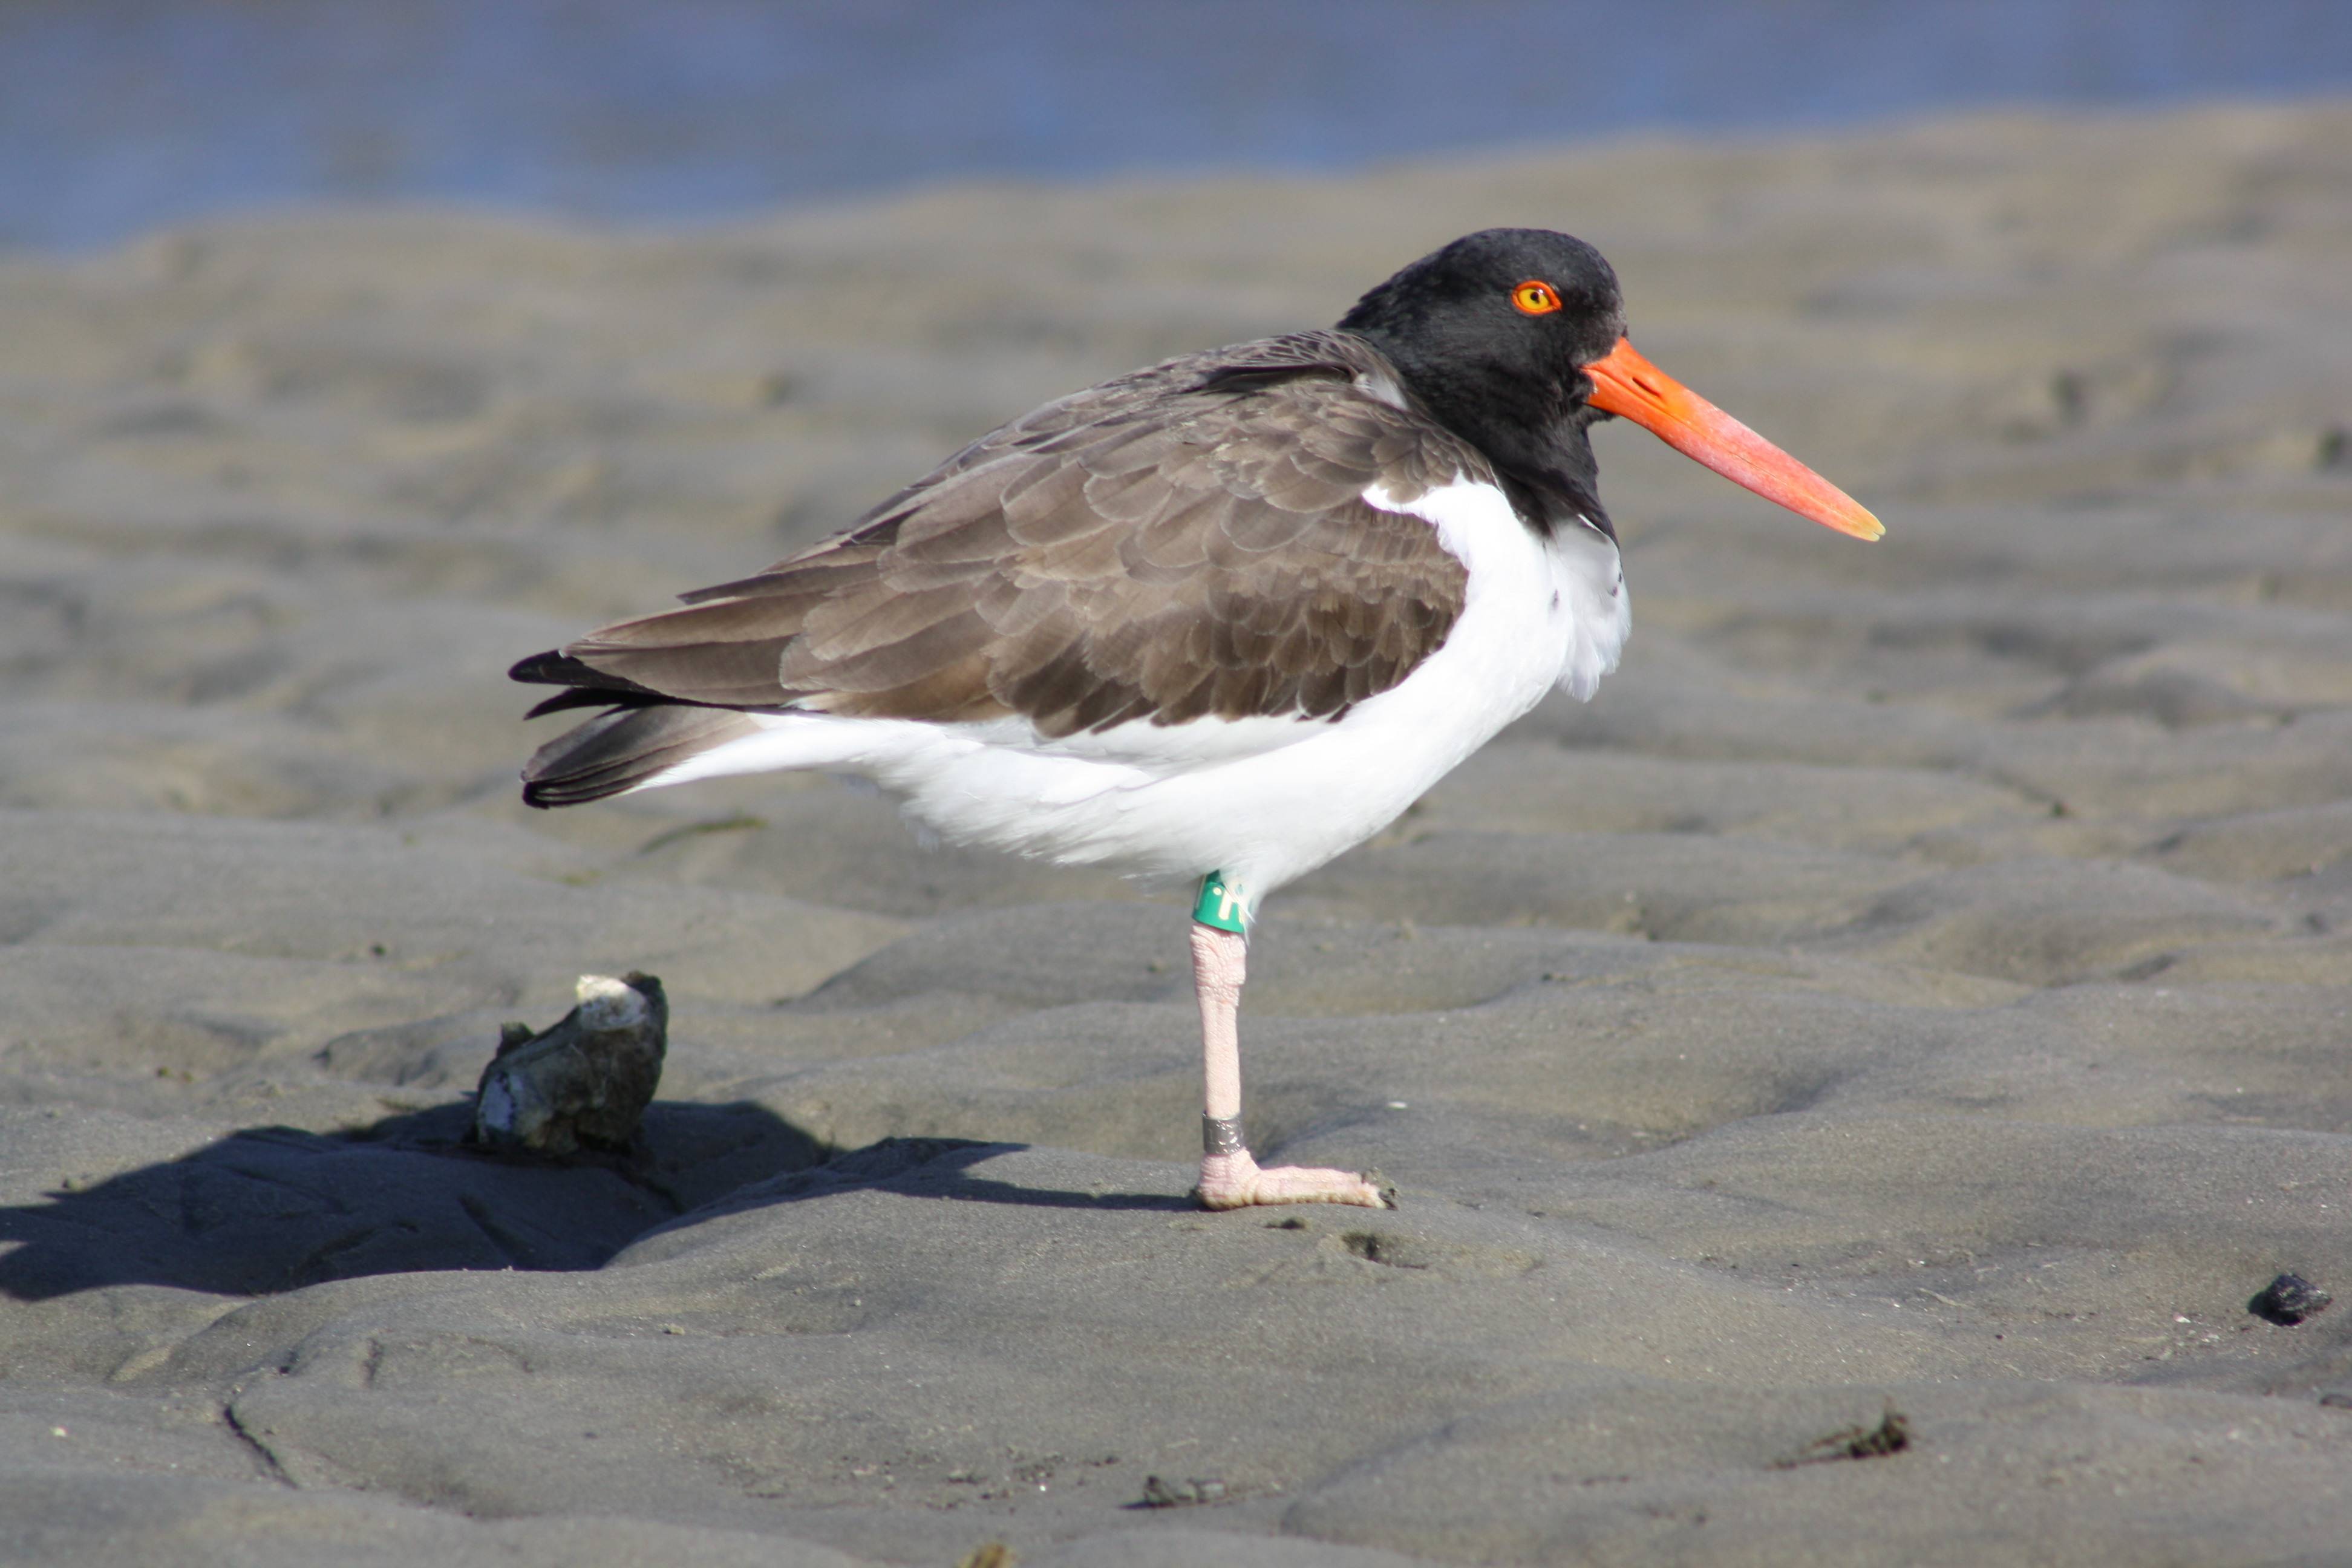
[(1222, 617)]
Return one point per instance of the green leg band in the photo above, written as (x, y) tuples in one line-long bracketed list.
[(1222, 904)]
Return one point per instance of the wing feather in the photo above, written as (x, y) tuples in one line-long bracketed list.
[(1188, 541)]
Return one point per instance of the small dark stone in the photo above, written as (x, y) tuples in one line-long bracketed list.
[(1157, 1493), (1891, 1436), (2288, 1301)]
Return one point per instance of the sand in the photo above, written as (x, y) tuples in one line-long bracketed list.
[(1922, 980)]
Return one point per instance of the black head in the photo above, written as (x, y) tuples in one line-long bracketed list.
[(1515, 340), (1491, 334)]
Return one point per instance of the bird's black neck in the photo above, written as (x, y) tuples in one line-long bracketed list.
[(1534, 431)]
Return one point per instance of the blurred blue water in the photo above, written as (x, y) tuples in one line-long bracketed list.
[(118, 115)]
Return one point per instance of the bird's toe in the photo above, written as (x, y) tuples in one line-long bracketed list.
[(1236, 1180)]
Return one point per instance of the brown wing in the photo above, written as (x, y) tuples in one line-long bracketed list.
[(1188, 541)]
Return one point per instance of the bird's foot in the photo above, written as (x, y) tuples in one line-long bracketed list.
[(1234, 1181)]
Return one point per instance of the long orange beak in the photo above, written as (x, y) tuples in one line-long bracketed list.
[(1628, 385)]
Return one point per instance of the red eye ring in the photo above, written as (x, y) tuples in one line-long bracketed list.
[(1536, 298)]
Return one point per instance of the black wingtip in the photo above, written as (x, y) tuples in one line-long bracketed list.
[(588, 686), (553, 667), (580, 697)]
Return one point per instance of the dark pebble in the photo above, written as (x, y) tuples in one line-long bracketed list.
[(2288, 1301)]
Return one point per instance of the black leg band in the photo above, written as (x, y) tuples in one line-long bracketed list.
[(1220, 1134)]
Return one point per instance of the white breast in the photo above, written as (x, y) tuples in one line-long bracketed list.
[(1556, 604)]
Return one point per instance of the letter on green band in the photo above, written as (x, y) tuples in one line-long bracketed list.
[(1222, 904)]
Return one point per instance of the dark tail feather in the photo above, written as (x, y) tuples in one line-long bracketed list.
[(556, 668), (621, 750), (589, 697), (590, 686)]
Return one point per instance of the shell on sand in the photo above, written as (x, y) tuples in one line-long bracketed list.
[(586, 1081)]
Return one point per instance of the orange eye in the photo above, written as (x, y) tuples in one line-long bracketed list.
[(1535, 297)]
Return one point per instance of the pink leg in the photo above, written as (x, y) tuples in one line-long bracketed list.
[(1230, 1179)]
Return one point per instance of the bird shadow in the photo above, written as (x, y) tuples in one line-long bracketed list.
[(270, 1208)]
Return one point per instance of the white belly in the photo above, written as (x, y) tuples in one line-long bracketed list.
[(1263, 800)]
